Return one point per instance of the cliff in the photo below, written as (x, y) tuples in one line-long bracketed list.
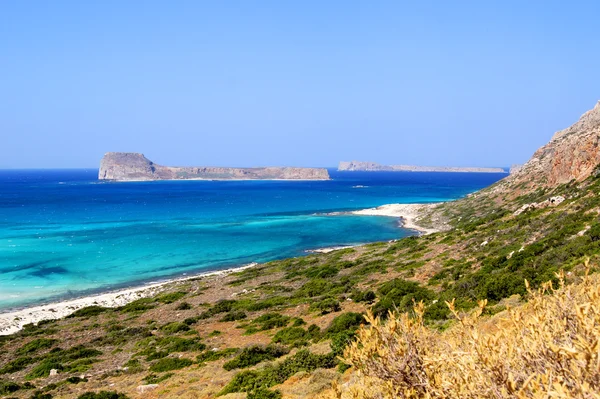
[(572, 154), (131, 166), (353, 166)]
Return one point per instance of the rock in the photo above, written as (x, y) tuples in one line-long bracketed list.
[(53, 372), (131, 166), (483, 244), (572, 154), (146, 388), (559, 199), (353, 166)]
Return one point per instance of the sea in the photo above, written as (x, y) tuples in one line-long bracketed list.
[(64, 234)]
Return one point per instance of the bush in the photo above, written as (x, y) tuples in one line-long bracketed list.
[(36, 345), (7, 387), (42, 370), (170, 363), (366, 296), (140, 305), (253, 355), (269, 321), (174, 327), (516, 356), (234, 316), (18, 364), (171, 297), (400, 294), (249, 381), (262, 393), (292, 336), (344, 323), (103, 395), (325, 306), (88, 311), (210, 356)]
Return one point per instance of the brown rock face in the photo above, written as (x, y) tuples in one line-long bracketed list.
[(131, 166), (572, 154)]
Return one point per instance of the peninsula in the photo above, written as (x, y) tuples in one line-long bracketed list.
[(354, 166), (131, 166)]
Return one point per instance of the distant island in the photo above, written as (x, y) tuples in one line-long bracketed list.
[(354, 166), (131, 166)]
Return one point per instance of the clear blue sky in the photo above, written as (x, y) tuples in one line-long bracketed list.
[(306, 83)]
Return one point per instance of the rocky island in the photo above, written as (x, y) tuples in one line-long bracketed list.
[(131, 166), (354, 166)]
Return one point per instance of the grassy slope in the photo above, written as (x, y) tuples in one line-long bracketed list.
[(188, 342)]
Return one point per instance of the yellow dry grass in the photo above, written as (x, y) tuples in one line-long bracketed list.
[(548, 348)]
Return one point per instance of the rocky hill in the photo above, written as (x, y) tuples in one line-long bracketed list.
[(572, 154), (131, 166), (354, 166)]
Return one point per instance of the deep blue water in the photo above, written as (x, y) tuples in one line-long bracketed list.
[(63, 233)]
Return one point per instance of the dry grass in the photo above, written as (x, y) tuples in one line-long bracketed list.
[(548, 348)]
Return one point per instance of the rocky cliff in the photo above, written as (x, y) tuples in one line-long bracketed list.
[(131, 166), (375, 167), (572, 154)]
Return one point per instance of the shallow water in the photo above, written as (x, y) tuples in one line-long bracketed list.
[(63, 233)]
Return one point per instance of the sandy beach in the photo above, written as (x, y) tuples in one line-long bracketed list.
[(409, 213), (13, 321)]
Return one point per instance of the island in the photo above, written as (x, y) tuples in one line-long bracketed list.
[(131, 166), (355, 166)]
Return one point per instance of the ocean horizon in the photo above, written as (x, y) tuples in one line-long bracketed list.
[(64, 234)]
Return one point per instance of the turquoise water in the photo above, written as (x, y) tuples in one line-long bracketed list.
[(64, 234)]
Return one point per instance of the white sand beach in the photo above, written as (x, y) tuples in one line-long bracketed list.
[(409, 213), (13, 321)]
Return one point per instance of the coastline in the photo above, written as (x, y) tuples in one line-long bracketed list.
[(408, 213), (13, 321)]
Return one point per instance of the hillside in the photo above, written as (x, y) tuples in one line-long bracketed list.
[(130, 166), (277, 329)]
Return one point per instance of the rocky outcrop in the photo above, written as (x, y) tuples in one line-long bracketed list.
[(572, 154), (131, 166), (353, 166)]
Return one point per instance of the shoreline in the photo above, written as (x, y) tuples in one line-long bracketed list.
[(13, 320), (408, 213)]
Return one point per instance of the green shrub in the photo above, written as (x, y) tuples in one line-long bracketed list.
[(253, 355), (42, 370), (269, 321), (292, 336), (364, 296), (76, 380), (210, 356), (40, 395), (88, 311), (7, 387), (250, 380), (262, 393), (171, 297), (325, 306), (170, 363), (140, 305), (400, 294), (36, 345), (344, 323), (174, 327), (103, 395), (266, 303), (234, 316), (18, 364)]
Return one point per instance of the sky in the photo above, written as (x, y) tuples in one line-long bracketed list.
[(299, 83)]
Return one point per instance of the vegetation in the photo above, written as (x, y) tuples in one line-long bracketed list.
[(253, 355), (546, 348)]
